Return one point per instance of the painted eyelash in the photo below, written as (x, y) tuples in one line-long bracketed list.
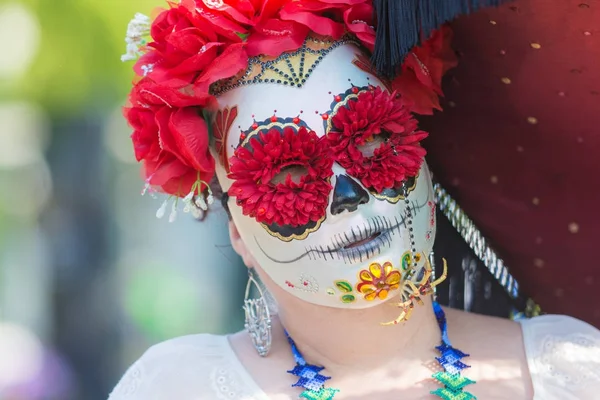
[(354, 254)]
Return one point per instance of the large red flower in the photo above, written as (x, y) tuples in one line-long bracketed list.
[(179, 50), (270, 34), (185, 46), (422, 71), (333, 18), (291, 202), (170, 136), (375, 138), (359, 20)]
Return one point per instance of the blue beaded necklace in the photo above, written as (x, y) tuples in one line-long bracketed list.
[(313, 382)]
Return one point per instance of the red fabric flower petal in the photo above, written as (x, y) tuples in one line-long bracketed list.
[(149, 94), (274, 37), (145, 144), (309, 14), (359, 21), (233, 60), (420, 81), (190, 132), (170, 136)]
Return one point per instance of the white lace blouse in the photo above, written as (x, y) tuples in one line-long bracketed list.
[(563, 356)]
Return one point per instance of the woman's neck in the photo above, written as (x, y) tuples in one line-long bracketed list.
[(345, 340)]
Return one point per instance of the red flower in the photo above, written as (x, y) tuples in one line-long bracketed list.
[(170, 136), (272, 37), (187, 44), (289, 202), (255, 20), (378, 124), (359, 21), (230, 19), (421, 78), (334, 17)]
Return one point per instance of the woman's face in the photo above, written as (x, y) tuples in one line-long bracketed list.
[(322, 225)]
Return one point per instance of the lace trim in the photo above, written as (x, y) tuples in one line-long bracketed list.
[(130, 383), (571, 361), (227, 384)]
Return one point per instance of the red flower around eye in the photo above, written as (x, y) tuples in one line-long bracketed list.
[(291, 203), (374, 113)]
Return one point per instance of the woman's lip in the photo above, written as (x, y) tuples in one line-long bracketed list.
[(363, 242)]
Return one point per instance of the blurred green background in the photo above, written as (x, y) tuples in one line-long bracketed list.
[(89, 278)]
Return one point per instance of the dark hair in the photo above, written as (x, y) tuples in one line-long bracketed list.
[(218, 193)]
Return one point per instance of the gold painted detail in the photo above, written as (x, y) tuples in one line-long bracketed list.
[(289, 69), (398, 197), (349, 95), (301, 236), (264, 128)]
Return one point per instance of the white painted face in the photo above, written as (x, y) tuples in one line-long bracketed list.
[(356, 254)]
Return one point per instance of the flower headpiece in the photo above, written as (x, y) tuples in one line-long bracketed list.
[(192, 46)]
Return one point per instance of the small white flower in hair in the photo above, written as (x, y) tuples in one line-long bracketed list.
[(200, 202), (147, 69), (138, 28), (197, 213), (163, 208), (189, 197), (173, 215)]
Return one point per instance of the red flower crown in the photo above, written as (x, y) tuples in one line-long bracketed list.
[(196, 43)]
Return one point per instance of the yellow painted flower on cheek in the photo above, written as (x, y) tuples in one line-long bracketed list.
[(378, 281)]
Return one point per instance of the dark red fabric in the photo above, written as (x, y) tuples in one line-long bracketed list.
[(518, 144)]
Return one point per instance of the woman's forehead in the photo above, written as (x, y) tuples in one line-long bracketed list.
[(341, 69)]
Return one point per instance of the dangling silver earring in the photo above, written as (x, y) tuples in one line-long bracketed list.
[(258, 318)]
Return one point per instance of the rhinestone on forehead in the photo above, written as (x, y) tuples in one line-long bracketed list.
[(289, 69)]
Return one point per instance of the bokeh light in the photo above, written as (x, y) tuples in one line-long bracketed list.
[(117, 137), (22, 355), (17, 21), (89, 278), (24, 134)]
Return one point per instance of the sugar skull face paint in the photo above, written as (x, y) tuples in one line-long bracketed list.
[(326, 180)]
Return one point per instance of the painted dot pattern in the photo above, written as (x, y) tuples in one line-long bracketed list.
[(519, 133)]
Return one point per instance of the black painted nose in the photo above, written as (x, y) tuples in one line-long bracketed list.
[(347, 195)]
